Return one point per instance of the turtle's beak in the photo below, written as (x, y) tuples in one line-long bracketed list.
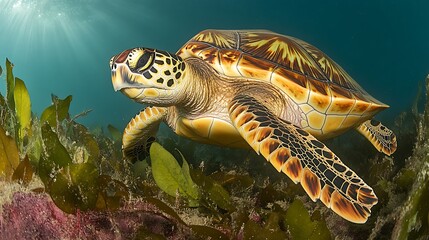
[(119, 76), (120, 70), (123, 79), (121, 82)]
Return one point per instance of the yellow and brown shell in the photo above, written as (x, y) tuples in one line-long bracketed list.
[(331, 101)]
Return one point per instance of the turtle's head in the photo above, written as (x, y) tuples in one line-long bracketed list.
[(148, 75)]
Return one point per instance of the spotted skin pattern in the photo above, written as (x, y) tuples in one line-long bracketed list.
[(158, 71), (303, 158), (383, 139)]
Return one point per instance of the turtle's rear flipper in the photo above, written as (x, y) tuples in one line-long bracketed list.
[(140, 133), (303, 158), (383, 139)]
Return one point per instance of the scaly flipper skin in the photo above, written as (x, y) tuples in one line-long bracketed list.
[(140, 133), (303, 158), (383, 139)]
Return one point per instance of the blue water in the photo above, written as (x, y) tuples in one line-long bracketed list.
[(63, 47)]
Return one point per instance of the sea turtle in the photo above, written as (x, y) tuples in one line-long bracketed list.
[(257, 89)]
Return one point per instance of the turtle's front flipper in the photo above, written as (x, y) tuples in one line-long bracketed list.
[(383, 139), (140, 133), (303, 158)]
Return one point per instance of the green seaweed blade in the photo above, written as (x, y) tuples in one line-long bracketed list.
[(56, 154), (59, 110), (10, 84), (301, 226), (22, 107), (24, 172), (9, 157), (170, 177), (116, 134)]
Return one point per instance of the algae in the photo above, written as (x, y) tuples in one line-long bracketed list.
[(23, 172), (413, 222), (204, 232), (229, 194), (301, 226), (171, 177), (10, 84), (114, 132), (9, 157), (22, 108), (213, 194), (57, 112)]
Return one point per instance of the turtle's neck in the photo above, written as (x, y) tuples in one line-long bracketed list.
[(203, 88), (208, 93)]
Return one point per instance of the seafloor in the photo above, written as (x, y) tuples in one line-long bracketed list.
[(60, 180)]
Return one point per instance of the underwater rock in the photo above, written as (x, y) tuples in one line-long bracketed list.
[(35, 216)]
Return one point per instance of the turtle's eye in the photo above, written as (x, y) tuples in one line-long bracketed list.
[(145, 61)]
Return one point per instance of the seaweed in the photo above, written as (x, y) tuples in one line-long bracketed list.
[(23, 172), (22, 108), (413, 219), (171, 177), (10, 80), (9, 157), (57, 112), (62, 152), (301, 226), (211, 194)]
